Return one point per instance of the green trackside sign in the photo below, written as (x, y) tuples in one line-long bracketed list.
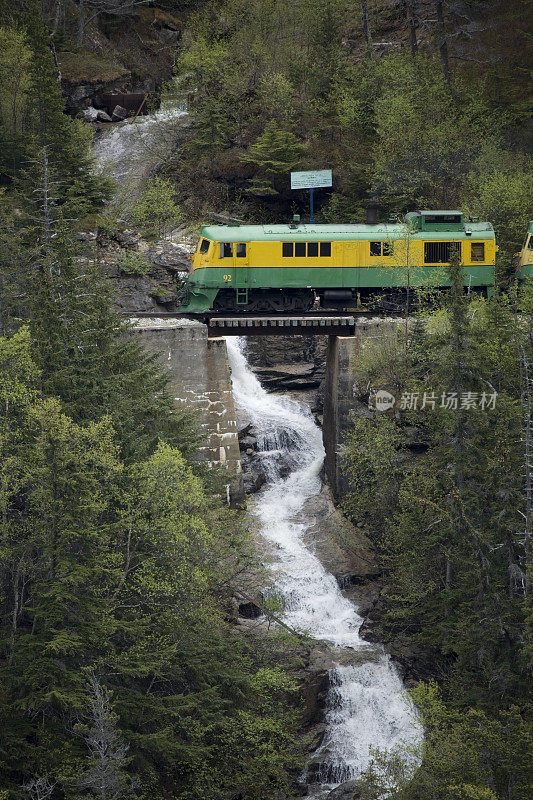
[(311, 179)]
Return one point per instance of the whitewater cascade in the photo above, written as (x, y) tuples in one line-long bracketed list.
[(130, 151), (366, 705)]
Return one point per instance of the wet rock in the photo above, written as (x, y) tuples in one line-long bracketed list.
[(119, 114), (342, 549), (288, 377), (315, 737), (90, 114), (313, 770), (103, 116), (326, 656), (350, 790), (313, 691), (253, 472)]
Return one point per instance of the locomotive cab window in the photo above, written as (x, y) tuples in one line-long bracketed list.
[(325, 249), (530, 242), (477, 251), (241, 250), (287, 249), (226, 249), (204, 246)]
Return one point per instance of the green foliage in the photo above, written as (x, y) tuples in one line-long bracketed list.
[(502, 194), (15, 84), (156, 209), (273, 155), (372, 463), (445, 523), (113, 630), (133, 263), (32, 117)]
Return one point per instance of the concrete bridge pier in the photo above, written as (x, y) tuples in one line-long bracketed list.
[(199, 376), (340, 393)]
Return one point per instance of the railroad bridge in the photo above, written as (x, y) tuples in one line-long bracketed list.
[(323, 323), (195, 356)]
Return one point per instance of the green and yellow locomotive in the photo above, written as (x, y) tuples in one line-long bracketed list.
[(284, 268)]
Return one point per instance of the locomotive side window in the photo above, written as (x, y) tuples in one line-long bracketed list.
[(530, 243), (287, 249), (299, 249), (380, 248), (477, 251), (241, 250), (439, 252), (204, 245), (325, 249), (312, 249), (226, 249)]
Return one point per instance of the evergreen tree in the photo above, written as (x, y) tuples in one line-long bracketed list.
[(275, 152)]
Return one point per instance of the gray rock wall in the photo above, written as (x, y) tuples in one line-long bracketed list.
[(199, 376)]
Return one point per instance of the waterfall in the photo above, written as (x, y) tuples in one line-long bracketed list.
[(130, 151), (366, 704)]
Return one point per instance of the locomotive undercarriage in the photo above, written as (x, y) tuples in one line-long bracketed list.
[(264, 300), (393, 300)]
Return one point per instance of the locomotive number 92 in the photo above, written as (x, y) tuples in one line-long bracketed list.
[(287, 268)]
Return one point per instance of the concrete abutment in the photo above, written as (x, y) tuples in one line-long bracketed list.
[(199, 376)]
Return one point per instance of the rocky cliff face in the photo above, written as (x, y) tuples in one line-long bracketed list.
[(151, 280), (135, 52)]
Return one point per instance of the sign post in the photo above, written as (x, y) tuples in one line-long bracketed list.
[(311, 179)]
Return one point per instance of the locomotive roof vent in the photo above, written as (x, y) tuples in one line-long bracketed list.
[(436, 220), (295, 221)]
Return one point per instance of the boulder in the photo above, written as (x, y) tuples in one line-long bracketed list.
[(172, 256), (90, 114), (166, 297), (119, 114), (350, 790), (103, 116), (128, 239)]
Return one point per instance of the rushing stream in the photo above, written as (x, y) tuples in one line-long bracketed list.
[(366, 704)]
